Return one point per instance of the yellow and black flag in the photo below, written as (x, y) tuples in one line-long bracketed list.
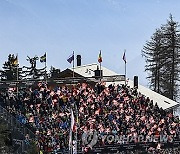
[(15, 61), (43, 58)]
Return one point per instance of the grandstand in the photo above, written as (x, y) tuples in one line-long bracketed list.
[(162, 101), (101, 106)]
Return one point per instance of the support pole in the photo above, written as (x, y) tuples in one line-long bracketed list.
[(73, 64), (17, 88), (125, 73), (76, 142), (100, 72), (46, 69)]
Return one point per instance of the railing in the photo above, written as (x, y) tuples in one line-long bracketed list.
[(67, 80), (138, 147), (19, 128), (176, 111)]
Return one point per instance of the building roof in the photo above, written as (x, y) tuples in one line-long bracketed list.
[(88, 71)]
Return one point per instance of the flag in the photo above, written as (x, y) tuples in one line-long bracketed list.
[(70, 140), (43, 58), (124, 56), (70, 58), (72, 121), (72, 129), (100, 57), (15, 61)]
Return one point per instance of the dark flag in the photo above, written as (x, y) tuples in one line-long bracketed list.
[(70, 58), (124, 57)]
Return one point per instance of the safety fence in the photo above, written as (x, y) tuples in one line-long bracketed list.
[(18, 130)]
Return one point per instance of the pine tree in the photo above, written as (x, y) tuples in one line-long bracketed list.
[(54, 72), (162, 55), (171, 36), (10, 69), (153, 52), (33, 72)]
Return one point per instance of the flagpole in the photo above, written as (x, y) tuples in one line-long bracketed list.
[(70, 141), (17, 75), (45, 69), (125, 73), (100, 71), (100, 67), (125, 66), (71, 132), (73, 65), (70, 137), (76, 129)]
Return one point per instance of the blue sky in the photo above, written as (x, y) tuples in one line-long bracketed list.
[(32, 27)]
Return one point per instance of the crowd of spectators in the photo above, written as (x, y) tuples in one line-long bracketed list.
[(113, 109)]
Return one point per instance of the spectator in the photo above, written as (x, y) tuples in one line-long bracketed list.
[(114, 109)]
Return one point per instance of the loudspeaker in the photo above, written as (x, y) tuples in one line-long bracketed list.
[(98, 73), (136, 81), (78, 60)]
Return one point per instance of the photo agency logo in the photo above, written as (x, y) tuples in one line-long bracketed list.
[(90, 139)]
